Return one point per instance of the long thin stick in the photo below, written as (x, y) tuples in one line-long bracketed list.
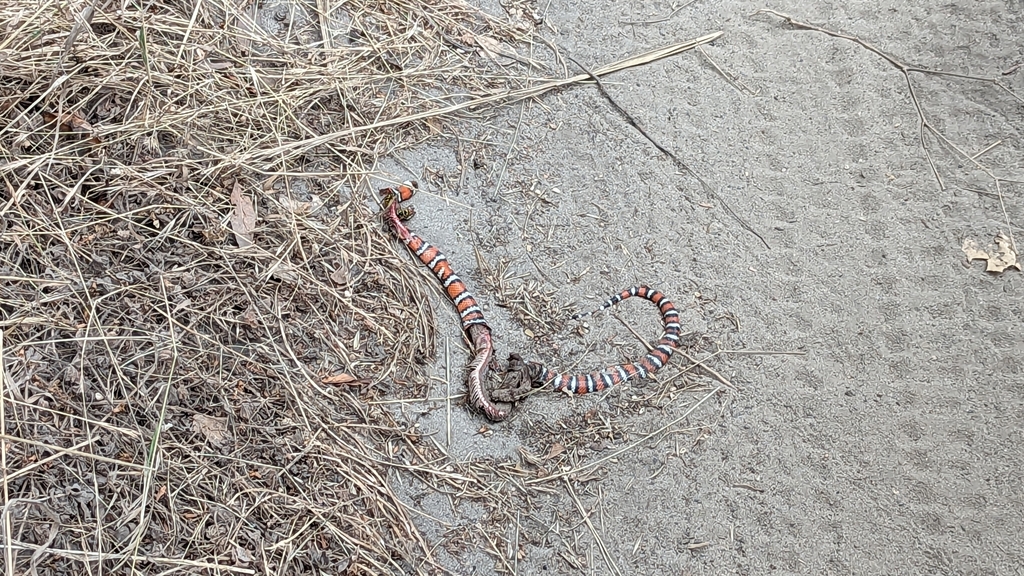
[(7, 527), (502, 97), (608, 560), (682, 166)]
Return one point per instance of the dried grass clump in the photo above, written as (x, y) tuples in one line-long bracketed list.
[(532, 304), (186, 250)]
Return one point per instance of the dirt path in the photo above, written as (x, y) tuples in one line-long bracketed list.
[(893, 444)]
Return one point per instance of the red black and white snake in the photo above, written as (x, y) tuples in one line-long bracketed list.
[(470, 314), (521, 376)]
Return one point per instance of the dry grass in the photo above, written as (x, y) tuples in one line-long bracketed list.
[(533, 305), (188, 247), (162, 404)]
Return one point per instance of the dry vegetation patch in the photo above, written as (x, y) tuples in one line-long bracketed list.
[(197, 302), (186, 251)]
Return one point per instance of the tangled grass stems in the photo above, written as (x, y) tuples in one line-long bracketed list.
[(162, 404)]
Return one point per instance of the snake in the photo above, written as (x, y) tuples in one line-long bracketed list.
[(521, 376), (470, 315)]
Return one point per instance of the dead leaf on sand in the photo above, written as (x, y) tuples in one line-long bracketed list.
[(1000, 255), (556, 449), (215, 429), (243, 219), (71, 122)]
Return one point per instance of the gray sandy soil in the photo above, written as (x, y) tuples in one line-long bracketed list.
[(893, 443)]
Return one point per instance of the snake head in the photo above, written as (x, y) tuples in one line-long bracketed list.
[(391, 197)]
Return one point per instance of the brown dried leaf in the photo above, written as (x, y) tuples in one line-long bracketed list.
[(999, 255), (215, 429), (301, 208), (556, 449), (243, 219), (69, 122), (344, 379)]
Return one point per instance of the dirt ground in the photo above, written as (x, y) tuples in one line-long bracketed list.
[(881, 429)]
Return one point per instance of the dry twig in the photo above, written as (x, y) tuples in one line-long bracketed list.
[(924, 125)]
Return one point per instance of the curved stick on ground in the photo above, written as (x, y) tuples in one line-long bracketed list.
[(472, 317), (521, 376)]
